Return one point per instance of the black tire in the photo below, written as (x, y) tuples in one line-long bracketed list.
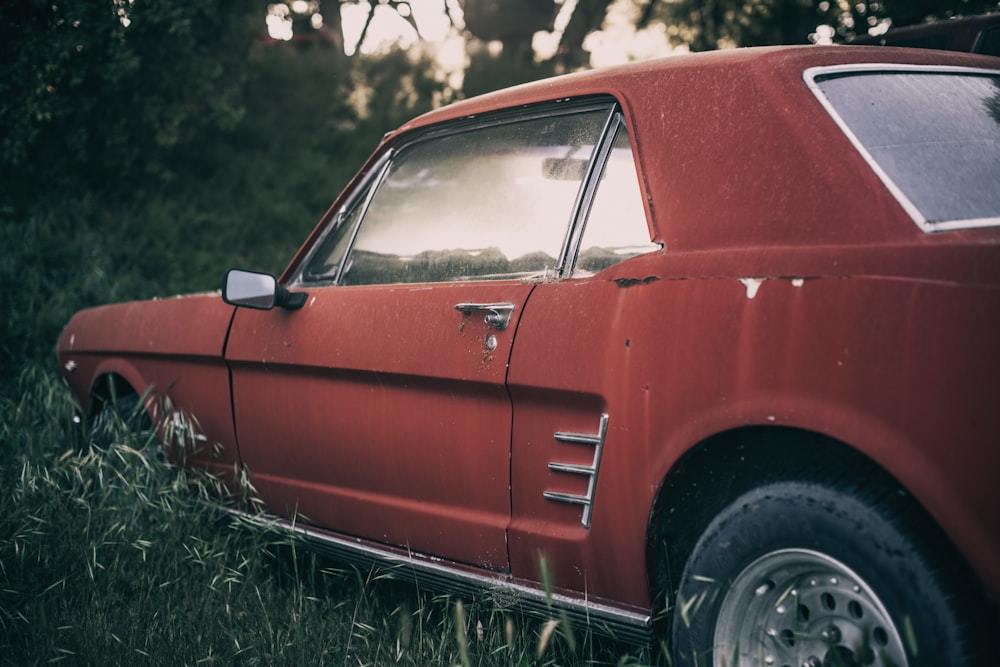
[(805, 574)]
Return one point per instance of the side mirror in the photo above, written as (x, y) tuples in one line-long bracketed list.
[(259, 291)]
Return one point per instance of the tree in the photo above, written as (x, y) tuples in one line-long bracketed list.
[(512, 22), (851, 19), (306, 22), (99, 93), (515, 22), (587, 17), (711, 24)]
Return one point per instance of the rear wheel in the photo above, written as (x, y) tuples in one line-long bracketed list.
[(802, 574)]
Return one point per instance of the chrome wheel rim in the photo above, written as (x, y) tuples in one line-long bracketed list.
[(801, 608)]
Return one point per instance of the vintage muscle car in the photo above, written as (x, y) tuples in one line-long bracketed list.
[(707, 347)]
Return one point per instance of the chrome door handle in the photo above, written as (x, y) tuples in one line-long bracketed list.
[(497, 314)]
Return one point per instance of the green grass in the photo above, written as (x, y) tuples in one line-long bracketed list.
[(110, 556)]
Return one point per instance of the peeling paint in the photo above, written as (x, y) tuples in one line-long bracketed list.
[(752, 285), (630, 282)]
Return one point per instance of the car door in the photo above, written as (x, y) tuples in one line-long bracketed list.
[(380, 409), (580, 378)]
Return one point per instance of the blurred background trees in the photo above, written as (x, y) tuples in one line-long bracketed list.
[(130, 95), (104, 91), (704, 25)]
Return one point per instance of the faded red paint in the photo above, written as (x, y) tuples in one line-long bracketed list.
[(379, 412), (714, 360), (171, 347)]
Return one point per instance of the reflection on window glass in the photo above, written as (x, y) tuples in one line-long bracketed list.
[(616, 227), (325, 260), (488, 203), (936, 137)]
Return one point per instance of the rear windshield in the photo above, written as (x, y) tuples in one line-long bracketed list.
[(931, 134)]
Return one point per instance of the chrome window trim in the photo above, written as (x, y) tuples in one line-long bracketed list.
[(550, 109), (588, 189), (372, 181), (811, 75), (369, 196), (508, 116)]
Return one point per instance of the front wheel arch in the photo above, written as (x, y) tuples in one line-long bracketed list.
[(108, 389), (113, 403)]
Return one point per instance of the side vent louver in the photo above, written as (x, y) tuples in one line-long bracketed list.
[(589, 471)]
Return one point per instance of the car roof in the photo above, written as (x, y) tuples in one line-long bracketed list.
[(631, 80), (735, 150)]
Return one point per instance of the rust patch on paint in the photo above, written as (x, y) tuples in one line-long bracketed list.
[(631, 282)]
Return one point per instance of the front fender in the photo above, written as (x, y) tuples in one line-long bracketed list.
[(173, 347)]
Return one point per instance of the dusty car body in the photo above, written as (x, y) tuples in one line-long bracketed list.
[(774, 307)]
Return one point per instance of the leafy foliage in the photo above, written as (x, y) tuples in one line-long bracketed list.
[(100, 95), (853, 19), (244, 196), (486, 73), (711, 24)]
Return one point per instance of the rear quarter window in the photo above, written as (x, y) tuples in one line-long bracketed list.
[(931, 134)]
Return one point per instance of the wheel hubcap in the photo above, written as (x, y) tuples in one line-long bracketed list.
[(800, 608)]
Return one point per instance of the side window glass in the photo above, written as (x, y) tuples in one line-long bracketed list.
[(492, 202), (325, 260), (931, 136), (616, 227)]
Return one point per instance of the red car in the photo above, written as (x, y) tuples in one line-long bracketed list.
[(709, 344)]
